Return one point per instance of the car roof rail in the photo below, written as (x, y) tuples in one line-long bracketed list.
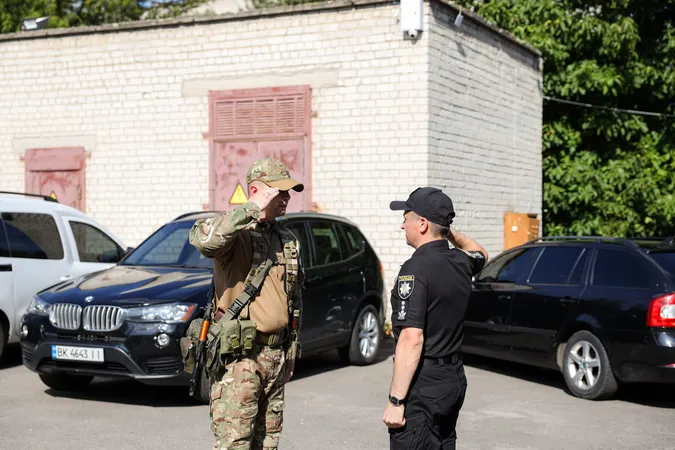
[(43, 197), (586, 238), (662, 240)]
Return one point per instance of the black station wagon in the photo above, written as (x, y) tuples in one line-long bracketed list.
[(601, 310), (126, 321)]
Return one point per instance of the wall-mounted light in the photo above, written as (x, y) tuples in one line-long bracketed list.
[(411, 17), (34, 23)]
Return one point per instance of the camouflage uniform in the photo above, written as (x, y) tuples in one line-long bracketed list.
[(247, 393)]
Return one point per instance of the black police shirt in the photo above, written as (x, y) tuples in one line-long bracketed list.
[(431, 292)]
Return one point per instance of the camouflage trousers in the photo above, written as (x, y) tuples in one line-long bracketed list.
[(247, 401)]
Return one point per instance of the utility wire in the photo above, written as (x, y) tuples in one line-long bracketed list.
[(630, 111)]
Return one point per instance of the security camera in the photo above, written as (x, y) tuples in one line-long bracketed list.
[(412, 33)]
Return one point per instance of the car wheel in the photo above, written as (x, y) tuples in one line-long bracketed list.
[(202, 393), (586, 367), (364, 343), (66, 381)]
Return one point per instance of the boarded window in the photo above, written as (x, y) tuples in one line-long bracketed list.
[(259, 117)]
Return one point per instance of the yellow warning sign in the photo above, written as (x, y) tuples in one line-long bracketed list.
[(53, 195), (239, 196)]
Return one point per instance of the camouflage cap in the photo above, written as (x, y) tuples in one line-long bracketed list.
[(273, 173)]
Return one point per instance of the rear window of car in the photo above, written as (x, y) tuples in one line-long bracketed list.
[(33, 236), (621, 270), (665, 260)]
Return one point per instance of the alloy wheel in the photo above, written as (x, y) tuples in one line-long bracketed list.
[(583, 366), (368, 335)]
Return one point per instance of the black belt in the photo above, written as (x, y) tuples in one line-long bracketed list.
[(452, 359)]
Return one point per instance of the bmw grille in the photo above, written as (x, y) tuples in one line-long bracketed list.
[(67, 316)]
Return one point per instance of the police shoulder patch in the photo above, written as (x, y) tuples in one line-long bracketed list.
[(406, 284), (476, 254)]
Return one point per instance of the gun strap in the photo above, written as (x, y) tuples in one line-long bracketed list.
[(253, 288), (212, 292)]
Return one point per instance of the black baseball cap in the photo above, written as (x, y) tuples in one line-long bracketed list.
[(430, 203)]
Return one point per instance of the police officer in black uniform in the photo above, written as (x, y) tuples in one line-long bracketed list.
[(428, 302)]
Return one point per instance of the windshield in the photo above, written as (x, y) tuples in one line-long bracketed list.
[(665, 260), (169, 247)]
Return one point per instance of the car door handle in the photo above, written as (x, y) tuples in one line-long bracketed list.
[(567, 301), (503, 298), (5, 267)]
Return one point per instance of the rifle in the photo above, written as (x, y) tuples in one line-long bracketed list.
[(201, 344)]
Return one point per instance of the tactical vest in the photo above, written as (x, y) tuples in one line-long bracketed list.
[(287, 257)]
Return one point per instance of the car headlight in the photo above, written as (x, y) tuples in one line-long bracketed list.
[(168, 313), (38, 307)]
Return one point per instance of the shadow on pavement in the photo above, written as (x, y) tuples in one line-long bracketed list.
[(659, 396), (12, 357), (136, 393), (130, 393), (325, 362)]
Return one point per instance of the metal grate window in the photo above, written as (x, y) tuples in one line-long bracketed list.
[(259, 117)]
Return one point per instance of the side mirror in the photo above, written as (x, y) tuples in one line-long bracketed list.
[(129, 250)]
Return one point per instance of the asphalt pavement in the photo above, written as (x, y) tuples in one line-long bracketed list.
[(332, 406)]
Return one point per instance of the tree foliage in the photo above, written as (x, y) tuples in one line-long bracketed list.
[(70, 13), (605, 172)]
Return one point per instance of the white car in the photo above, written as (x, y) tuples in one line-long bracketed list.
[(43, 243)]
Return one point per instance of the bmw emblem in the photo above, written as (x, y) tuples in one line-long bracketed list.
[(89, 299)]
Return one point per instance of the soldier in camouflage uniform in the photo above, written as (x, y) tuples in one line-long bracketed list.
[(247, 394)]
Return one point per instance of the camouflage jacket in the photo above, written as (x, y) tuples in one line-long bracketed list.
[(231, 240)]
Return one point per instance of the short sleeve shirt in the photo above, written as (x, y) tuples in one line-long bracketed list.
[(431, 292)]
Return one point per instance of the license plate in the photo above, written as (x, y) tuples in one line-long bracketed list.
[(77, 353)]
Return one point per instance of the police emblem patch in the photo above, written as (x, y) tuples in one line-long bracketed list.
[(406, 284)]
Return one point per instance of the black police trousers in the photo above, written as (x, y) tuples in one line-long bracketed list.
[(432, 407)]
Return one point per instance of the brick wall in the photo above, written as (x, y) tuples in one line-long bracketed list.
[(485, 125), (136, 98)]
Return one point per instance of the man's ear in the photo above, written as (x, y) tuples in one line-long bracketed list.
[(253, 188), (424, 225)]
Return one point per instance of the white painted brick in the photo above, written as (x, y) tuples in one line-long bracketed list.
[(400, 116)]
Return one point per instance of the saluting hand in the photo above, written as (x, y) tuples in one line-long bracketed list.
[(393, 416), (263, 197)]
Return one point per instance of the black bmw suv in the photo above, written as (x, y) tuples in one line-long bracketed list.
[(126, 321), (601, 310)]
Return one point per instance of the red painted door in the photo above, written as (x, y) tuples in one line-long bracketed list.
[(234, 158), (250, 124), (58, 173)]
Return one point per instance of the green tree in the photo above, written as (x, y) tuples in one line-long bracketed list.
[(70, 13), (605, 172)]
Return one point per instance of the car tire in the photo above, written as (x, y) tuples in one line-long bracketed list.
[(587, 369), (202, 393), (365, 340), (66, 381)]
